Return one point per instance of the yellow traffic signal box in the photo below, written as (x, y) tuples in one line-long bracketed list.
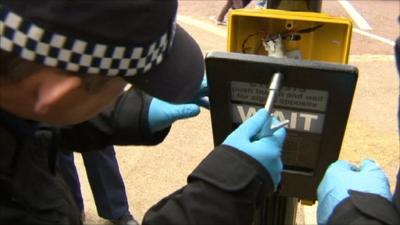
[(300, 35)]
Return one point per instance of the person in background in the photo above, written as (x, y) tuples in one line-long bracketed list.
[(105, 181), (230, 4)]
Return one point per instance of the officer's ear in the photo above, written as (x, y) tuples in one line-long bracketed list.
[(53, 89)]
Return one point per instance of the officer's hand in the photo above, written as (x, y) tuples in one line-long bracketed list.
[(162, 114), (341, 177), (201, 98), (266, 150)]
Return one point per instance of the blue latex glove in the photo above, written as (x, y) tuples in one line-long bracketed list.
[(201, 98), (162, 114), (341, 177), (266, 150)]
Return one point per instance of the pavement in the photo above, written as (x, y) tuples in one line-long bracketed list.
[(151, 173)]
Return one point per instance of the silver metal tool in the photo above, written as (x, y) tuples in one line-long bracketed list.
[(274, 87)]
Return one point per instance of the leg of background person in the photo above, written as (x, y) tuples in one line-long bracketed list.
[(67, 169), (228, 5), (106, 183)]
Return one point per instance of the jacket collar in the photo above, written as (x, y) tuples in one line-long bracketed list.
[(17, 126)]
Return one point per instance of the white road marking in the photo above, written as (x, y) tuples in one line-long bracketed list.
[(374, 36), (371, 58), (357, 18)]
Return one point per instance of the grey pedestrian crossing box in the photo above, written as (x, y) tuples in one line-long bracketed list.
[(315, 97)]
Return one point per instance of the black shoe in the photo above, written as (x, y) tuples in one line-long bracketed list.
[(125, 220)]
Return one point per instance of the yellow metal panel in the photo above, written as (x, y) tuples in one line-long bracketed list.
[(330, 41)]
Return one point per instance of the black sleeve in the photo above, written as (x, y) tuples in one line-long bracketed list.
[(364, 208), (123, 124), (226, 188)]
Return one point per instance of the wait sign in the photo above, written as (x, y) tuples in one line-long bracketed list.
[(298, 120)]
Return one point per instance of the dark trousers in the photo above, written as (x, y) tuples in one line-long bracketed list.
[(104, 178)]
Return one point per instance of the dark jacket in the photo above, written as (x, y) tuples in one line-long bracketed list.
[(226, 188), (31, 192), (365, 208)]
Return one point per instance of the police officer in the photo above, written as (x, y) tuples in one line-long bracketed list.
[(359, 195), (63, 62)]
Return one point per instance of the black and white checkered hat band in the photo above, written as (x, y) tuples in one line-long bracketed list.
[(34, 43)]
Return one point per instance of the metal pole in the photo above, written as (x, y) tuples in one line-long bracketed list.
[(295, 5)]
